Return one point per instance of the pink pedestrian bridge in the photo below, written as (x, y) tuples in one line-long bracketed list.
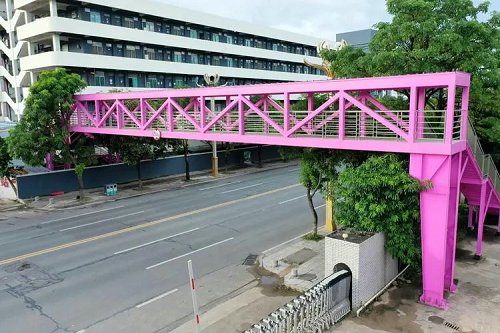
[(443, 148)]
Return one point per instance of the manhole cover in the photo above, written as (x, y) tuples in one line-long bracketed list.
[(453, 326), (250, 260), (436, 320)]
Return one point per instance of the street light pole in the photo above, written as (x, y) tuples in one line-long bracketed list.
[(213, 81)]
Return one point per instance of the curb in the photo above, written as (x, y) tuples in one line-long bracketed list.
[(97, 202)]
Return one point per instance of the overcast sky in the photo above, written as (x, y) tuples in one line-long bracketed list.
[(319, 18)]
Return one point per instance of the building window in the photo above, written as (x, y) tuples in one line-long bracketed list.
[(178, 56), (152, 81), (215, 37), (149, 54), (99, 79), (192, 33), (97, 48), (132, 81), (148, 26), (130, 51), (128, 22), (95, 16), (178, 30)]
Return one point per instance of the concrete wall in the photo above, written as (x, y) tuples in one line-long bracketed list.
[(43, 184), (6, 191), (371, 266)]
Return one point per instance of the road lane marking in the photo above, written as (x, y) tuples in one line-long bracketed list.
[(154, 242), (154, 299), (141, 226), (85, 214), (217, 186), (101, 221), (242, 188), (293, 170), (320, 206), (189, 253), (297, 198)]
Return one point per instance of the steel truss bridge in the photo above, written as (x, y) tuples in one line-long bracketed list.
[(443, 148)]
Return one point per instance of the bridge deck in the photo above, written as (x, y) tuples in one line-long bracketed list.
[(351, 118)]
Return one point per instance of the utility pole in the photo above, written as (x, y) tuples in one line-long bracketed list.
[(212, 80)]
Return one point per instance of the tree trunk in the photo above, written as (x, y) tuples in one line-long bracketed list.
[(313, 211), (226, 157), (81, 186), (139, 174), (259, 156), (186, 160)]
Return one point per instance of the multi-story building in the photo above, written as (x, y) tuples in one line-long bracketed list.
[(116, 44), (359, 38)]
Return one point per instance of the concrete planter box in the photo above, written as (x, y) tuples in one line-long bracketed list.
[(371, 265)]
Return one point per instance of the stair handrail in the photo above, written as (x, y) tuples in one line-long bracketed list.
[(485, 161)]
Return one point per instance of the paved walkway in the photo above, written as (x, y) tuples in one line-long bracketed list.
[(473, 309)]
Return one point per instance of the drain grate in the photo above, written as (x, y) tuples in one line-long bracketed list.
[(250, 260), (453, 326), (441, 321)]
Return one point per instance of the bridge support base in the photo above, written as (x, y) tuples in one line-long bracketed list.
[(439, 213), (215, 166)]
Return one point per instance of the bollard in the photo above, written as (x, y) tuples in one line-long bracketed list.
[(295, 272)]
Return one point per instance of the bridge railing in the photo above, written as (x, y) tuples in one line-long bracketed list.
[(485, 161), (267, 114), (316, 310)]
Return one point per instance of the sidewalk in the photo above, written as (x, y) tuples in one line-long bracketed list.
[(473, 309), (96, 196)]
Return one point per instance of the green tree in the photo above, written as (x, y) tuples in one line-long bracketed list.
[(380, 196), (436, 36), (133, 150), (45, 125), (6, 167)]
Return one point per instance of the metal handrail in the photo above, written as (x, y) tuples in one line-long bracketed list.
[(485, 162)]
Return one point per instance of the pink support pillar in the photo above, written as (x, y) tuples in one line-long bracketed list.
[(454, 199), (310, 108), (483, 209), (241, 115), (438, 207), (286, 112), (266, 111), (362, 122), (342, 118), (421, 114)]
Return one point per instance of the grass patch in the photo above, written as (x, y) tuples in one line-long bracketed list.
[(312, 237)]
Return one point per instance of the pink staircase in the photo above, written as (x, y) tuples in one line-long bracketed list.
[(442, 149)]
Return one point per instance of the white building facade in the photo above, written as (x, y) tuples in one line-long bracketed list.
[(130, 44)]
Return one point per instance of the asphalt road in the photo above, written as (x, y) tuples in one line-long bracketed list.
[(121, 266)]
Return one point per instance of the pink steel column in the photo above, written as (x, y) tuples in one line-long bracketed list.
[(266, 111), (437, 210), (421, 113), (413, 114), (143, 112), (480, 223), (49, 162), (362, 123), (465, 113), (119, 116), (310, 108), (202, 111), (241, 115), (341, 116), (228, 114), (97, 111), (498, 227), (450, 114), (286, 113), (454, 199)]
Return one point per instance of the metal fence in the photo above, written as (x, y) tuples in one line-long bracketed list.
[(315, 311), (485, 161)]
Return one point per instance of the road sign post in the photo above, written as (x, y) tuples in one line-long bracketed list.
[(193, 295)]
